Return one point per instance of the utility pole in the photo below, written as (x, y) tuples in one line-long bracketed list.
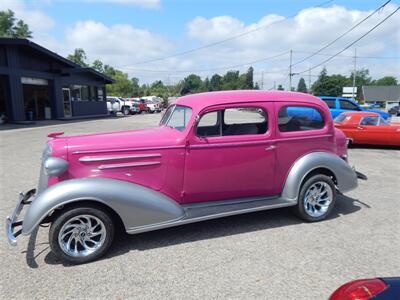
[(290, 71), (274, 85), (309, 81), (262, 80), (354, 73)]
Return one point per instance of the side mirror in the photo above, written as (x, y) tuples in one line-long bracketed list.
[(197, 119)]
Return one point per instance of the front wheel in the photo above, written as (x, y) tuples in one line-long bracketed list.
[(317, 198), (81, 234)]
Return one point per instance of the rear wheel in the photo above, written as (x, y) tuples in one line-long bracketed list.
[(316, 199), (81, 234), (125, 111)]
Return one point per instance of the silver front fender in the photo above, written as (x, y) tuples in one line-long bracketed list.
[(346, 177), (135, 204)]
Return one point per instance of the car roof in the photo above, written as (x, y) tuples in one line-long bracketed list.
[(201, 100), (334, 98)]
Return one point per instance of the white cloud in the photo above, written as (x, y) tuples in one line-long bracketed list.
[(311, 29), (38, 21), (117, 45), (149, 4)]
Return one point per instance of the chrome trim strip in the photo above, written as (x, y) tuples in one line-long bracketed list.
[(111, 158), (128, 149), (283, 139), (116, 166), (233, 144)]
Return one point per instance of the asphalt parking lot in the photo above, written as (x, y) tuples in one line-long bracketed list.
[(267, 255)]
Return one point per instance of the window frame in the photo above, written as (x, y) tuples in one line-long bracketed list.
[(219, 109)]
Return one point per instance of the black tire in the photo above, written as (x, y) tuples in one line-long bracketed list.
[(64, 216), (125, 111), (300, 208)]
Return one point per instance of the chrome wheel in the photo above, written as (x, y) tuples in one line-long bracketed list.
[(317, 199), (82, 235)]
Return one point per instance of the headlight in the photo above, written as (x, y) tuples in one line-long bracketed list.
[(55, 166)]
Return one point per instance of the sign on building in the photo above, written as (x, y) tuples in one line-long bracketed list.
[(348, 92)]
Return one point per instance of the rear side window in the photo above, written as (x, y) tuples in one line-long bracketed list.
[(299, 118), (330, 102), (348, 105), (370, 121)]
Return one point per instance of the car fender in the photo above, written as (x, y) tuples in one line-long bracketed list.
[(345, 176), (135, 204)]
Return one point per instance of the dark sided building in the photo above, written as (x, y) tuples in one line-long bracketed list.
[(37, 84)]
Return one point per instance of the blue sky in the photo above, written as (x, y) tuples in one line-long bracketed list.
[(124, 32)]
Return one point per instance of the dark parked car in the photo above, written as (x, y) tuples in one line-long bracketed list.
[(395, 110)]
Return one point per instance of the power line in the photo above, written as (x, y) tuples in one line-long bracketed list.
[(211, 69), (350, 56), (351, 44), (221, 41), (343, 34)]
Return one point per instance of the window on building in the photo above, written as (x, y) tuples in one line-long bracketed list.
[(75, 93), (299, 118), (100, 94), (85, 93), (93, 93)]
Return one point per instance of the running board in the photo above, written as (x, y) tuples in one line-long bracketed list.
[(197, 212)]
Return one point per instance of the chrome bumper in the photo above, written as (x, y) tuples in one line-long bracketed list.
[(12, 221)]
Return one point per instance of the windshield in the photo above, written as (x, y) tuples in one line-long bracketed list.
[(177, 117), (340, 118)]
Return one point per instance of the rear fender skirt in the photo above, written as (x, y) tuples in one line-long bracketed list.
[(346, 177), (135, 204)]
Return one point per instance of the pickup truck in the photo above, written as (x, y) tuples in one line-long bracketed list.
[(125, 106), (338, 105)]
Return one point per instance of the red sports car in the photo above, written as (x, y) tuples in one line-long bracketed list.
[(368, 128)]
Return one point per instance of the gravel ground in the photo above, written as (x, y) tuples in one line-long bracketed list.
[(268, 255)]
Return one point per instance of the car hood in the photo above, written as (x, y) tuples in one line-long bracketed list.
[(147, 138)]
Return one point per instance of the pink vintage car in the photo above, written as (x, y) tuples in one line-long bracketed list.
[(213, 155)]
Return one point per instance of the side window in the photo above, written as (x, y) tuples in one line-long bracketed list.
[(299, 118), (370, 121), (233, 121), (243, 121), (209, 125), (348, 105), (330, 102)]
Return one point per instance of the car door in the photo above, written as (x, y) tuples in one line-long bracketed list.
[(231, 154), (372, 130), (347, 105)]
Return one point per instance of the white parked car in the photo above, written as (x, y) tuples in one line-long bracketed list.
[(125, 106)]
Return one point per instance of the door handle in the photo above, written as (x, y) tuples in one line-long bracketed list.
[(269, 148), (360, 128)]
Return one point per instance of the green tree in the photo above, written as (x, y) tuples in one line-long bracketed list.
[(10, 29), (280, 87), (98, 66), (302, 87), (191, 84), (329, 85), (249, 79), (231, 80), (122, 87), (78, 57), (387, 80), (216, 83)]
